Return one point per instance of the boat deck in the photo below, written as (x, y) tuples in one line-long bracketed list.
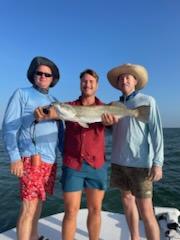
[(114, 226)]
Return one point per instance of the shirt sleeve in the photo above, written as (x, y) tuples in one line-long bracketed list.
[(11, 124), (156, 132)]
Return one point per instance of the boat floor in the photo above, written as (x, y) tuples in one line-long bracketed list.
[(113, 227)]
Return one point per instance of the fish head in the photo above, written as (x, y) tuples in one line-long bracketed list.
[(64, 111)]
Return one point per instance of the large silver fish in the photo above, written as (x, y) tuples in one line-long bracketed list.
[(91, 114)]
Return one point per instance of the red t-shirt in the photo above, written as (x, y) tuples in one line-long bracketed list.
[(84, 144)]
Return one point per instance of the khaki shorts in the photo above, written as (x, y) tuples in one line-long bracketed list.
[(131, 179)]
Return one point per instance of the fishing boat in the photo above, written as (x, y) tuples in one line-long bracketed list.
[(114, 226)]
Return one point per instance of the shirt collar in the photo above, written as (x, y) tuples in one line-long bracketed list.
[(124, 98), (97, 101), (41, 90)]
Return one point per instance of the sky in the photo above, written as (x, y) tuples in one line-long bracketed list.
[(96, 34)]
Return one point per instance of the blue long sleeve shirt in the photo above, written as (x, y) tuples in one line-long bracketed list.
[(138, 144), (23, 138)]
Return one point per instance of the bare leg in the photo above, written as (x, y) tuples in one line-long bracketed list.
[(71, 207), (131, 212), (26, 223), (94, 204), (146, 211), (34, 232)]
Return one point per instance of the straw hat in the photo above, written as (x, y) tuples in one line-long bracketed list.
[(138, 71)]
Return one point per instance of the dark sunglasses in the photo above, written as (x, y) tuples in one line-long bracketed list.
[(43, 73)]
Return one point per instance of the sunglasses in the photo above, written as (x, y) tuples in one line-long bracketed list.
[(43, 73)]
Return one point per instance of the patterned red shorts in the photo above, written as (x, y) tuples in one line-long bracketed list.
[(37, 180)]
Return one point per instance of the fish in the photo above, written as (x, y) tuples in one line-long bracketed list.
[(85, 115)]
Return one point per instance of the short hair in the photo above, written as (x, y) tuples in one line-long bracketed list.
[(90, 72)]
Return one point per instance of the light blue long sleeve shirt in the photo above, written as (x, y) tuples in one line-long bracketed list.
[(138, 144), (19, 131)]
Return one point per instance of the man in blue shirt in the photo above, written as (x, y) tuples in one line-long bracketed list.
[(32, 146), (137, 150)]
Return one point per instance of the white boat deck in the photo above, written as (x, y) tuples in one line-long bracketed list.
[(114, 226)]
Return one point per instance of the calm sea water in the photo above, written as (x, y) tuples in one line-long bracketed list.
[(166, 192)]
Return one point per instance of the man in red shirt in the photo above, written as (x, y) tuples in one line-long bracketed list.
[(83, 164)]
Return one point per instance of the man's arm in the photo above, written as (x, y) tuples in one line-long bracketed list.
[(156, 132), (11, 124)]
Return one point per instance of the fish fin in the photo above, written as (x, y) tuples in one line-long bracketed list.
[(84, 125), (81, 123), (142, 113)]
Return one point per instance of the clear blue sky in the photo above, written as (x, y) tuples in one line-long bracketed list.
[(97, 34)]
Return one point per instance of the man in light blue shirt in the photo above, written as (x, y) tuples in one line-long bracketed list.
[(137, 150), (32, 146)]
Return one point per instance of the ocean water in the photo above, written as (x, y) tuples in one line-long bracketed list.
[(166, 191)]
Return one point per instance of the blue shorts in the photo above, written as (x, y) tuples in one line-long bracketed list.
[(88, 177)]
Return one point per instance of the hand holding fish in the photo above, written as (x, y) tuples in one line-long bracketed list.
[(46, 113), (109, 119), (85, 115)]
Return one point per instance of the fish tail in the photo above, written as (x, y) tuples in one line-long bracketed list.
[(142, 113)]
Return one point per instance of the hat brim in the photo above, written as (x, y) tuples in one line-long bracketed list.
[(36, 62), (138, 71)]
